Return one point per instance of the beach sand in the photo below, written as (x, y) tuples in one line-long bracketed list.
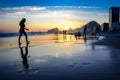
[(63, 59), (35, 40)]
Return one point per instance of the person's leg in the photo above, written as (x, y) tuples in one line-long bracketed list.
[(20, 34), (26, 37), (85, 34)]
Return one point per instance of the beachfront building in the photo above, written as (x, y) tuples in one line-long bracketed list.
[(105, 27), (114, 18)]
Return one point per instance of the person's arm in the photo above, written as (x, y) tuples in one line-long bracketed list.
[(26, 29)]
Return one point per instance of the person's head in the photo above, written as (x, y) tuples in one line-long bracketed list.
[(24, 19)]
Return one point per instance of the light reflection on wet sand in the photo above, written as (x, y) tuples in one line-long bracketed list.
[(65, 59), (12, 42)]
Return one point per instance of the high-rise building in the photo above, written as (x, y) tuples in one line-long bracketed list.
[(114, 16)]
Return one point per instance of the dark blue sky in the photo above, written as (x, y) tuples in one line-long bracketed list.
[(99, 3)]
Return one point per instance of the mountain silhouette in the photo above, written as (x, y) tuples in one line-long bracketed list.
[(90, 26), (54, 30)]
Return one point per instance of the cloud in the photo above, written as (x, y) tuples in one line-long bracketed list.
[(31, 8), (55, 13), (38, 8), (72, 7), (87, 7), (102, 14), (20, 13)]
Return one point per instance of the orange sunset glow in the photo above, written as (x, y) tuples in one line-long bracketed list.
[(44, 18)]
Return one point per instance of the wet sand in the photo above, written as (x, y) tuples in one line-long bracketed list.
[(67, 59), (36, 40), (12, 42), (112, 39)]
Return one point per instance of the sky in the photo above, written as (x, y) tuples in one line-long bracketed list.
[(42, 15)]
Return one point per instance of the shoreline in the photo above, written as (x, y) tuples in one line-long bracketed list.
[(11, 42), (111, 39)]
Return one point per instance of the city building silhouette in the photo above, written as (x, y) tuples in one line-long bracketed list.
[(114, 18), (105, 26)]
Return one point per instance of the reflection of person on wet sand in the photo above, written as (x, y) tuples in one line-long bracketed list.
[(24, 56), (85, 39), (22, 30), (64, 37), (84, 31)]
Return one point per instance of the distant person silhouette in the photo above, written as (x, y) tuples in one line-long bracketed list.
[(77, 35), (97, 31), (64, 32), (22, 30), (24, 56), (84, 31)]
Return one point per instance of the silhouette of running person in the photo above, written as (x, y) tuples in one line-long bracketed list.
[(22, 30)]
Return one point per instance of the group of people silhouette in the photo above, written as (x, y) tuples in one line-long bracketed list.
[(77, 35), (96, 32)]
